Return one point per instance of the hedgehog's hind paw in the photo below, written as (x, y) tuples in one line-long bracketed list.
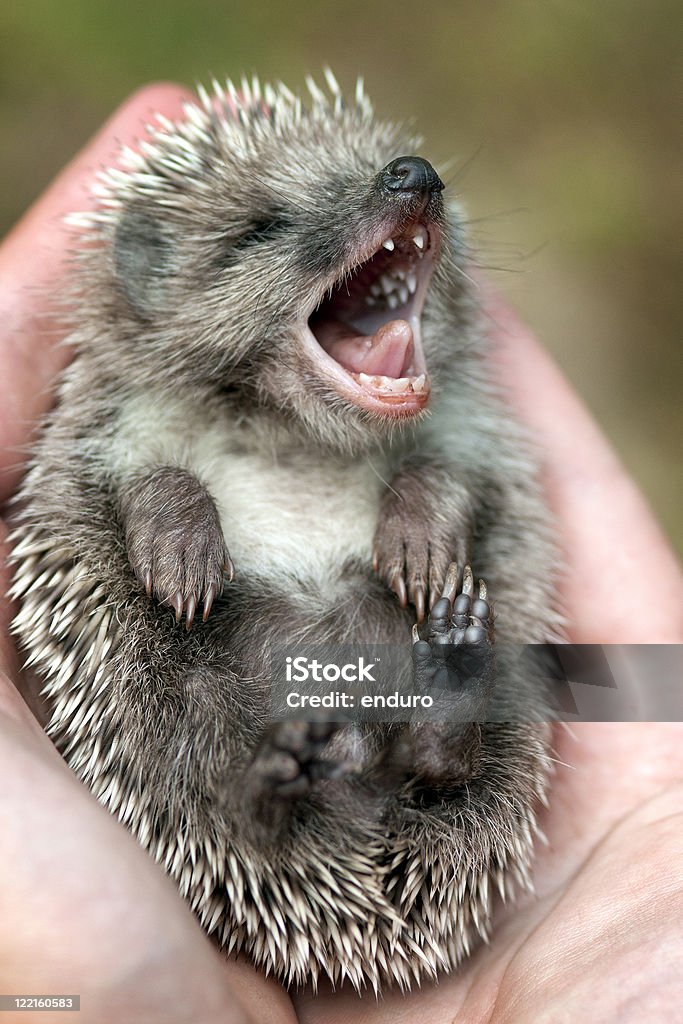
[(292, 758)]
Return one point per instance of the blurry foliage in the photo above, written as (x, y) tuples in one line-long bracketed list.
[(562, 110)]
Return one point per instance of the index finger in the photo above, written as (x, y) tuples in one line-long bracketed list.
[(32, 264)]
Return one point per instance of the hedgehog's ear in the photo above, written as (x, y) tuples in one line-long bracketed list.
[(142, 258)]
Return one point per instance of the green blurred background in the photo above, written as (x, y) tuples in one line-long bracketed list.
[(564, 109)]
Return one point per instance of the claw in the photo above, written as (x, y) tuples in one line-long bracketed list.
[(208, 600), (375, 560), (176, 602), (451, 582), (419, 601), (189, 611), (398, 585), (229, 568), (416, 634), (468, 581), (148, 583), (482, 590)]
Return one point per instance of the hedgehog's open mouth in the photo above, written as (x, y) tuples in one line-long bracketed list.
[(368, 326)]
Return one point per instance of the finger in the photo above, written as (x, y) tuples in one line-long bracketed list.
[(9, 661), (63, 893), (32, 264), (608, 534), (20, 694)]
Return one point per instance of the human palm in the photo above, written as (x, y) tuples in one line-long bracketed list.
[(84, 909)]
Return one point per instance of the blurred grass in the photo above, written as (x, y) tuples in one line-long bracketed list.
[(565, 109)]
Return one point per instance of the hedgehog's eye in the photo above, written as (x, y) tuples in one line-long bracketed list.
[(266, 228), (269, 226)]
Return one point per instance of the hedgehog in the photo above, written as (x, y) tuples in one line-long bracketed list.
[(279, 428)]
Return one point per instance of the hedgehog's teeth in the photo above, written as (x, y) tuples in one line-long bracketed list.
[(419, 383), (419, 238), (395, 384), (389, 244), (391, 287)]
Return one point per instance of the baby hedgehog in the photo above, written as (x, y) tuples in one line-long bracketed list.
[(278, 428)]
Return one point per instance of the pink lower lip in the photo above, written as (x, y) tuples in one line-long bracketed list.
[(403, 404)]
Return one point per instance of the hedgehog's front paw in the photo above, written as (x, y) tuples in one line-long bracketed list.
[(453, 662), (184, 569), (175, 542), (412, 557)]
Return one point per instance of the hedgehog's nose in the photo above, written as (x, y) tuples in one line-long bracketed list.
[(410, 174)]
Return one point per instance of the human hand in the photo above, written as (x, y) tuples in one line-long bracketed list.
[(119, 921), (601, 940), (83, 909)]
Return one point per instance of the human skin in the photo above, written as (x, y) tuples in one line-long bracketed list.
[(84, 909)]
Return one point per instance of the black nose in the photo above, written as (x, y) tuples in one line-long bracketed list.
[(410, 174)]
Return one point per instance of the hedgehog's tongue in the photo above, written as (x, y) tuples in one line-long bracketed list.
[(388, 352)]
